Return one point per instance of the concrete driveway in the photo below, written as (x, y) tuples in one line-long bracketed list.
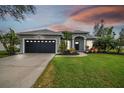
[(22, 70)]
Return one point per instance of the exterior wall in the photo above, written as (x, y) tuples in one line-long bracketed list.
[(68, 44), (40, 37), (1, 46), (71, 43), (90, 43)]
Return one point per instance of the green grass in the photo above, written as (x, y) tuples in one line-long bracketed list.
[(114, 50), (3, 54), (122, 50), (94, 70)]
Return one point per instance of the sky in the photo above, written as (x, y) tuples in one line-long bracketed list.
[(68, 17)]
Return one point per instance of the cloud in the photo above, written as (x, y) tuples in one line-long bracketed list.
[(60, 27), (92, 14), (84, 17), (71, 25)]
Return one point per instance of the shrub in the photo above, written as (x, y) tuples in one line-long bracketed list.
[(66, 52), (93, 50), (72, 50)]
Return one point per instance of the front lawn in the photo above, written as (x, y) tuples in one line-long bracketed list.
[(94, 70), (115, 51), (3, 54)]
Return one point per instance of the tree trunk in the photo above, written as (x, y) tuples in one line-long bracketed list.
[(118, 50)]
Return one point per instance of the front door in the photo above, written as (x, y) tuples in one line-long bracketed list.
[(77, 45)]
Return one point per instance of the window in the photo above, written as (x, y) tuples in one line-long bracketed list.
[(45, 41), (27, 41), (31, 41), (34, 41), (53, 41)]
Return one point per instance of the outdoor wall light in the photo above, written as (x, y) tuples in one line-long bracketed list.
[(76, 42)]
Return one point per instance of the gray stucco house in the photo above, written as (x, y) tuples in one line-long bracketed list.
[(47, 41)]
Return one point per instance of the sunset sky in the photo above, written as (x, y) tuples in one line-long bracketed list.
[(69, 18)]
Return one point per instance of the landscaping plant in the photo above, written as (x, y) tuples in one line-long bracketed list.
[(66, 36), (62, 46), (9, 40), (120, 41), (105, 38)]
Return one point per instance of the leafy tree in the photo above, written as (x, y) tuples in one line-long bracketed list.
[(105, 40), (121, 37), (98, 28), (9, 41), (120, 40), (16, 11)]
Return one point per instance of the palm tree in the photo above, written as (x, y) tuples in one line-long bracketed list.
[(67, 36)]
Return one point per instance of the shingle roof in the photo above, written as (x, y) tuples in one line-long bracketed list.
[(90, 37), (79, 31), (50, 32), (43, 32)]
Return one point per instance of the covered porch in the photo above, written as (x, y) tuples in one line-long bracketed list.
[(77, 42)]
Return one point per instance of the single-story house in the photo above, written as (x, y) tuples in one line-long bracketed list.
[(47, 41)]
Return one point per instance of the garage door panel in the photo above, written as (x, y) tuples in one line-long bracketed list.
[(40, 46)]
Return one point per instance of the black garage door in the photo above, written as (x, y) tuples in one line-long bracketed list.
[(40, 46)]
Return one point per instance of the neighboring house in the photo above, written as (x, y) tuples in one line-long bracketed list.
[(47, 41), (1, 47)]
